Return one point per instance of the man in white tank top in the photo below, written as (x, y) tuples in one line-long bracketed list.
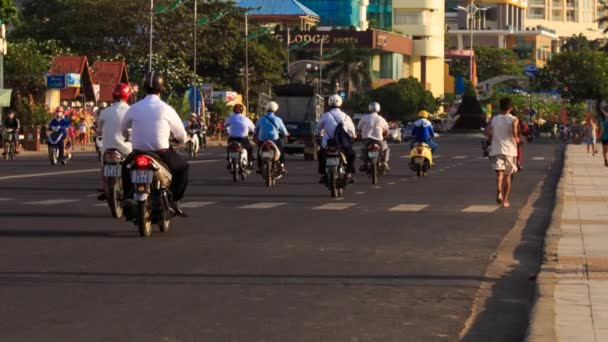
[(504, 134)]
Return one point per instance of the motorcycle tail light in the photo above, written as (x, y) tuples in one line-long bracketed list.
[(420, 151), (234, 148), (142, 161)]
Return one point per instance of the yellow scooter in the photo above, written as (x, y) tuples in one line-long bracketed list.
[(421, 159)]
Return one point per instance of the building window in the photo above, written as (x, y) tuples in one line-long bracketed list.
[(570, 16), (403, 17), (536, 13)]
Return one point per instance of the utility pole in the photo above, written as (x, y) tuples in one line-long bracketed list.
[(151, 32), (194, 79), (321, 68), (3, 51), (247, 62)]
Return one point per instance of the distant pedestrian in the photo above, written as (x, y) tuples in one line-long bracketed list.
[(82, 133), (219, 131), (590, 131), (504, 133), (604, 137)]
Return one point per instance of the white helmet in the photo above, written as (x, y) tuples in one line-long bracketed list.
[(374, 107), (272, 107), (335, 101)]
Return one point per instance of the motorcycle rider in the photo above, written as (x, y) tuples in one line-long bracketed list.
[(59, 121), (374, 128), (239, 126), (11, 122), (327, 128), (423, 131), (196, 125), (109, 125), (152, 122), (271, 127)]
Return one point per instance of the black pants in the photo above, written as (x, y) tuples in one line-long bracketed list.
[(351, 156), (279, 144), (246, 144), (178, 166)]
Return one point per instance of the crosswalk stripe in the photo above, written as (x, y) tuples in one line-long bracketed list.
[(101, 205), (459, 157), (360, 193), (538, 158), (392, 183), (334, 206), (263, 205), (195, 204), (2, 199), (52, 202), (409, 207), (480, 209)]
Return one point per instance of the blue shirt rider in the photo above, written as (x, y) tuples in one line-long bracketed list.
[(58, 121), (271, 127), (423, 130)]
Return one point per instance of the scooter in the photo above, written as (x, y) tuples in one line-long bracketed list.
[(271, 168), (238, 159), (375, 167), (193, 144), (421, 159), (55, 138), (112, 173), (335, 170), (151, 201)]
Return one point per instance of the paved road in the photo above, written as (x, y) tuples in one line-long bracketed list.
[(401, 261)]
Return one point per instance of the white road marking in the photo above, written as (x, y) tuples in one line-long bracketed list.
[(203, 161), (53, 201), (334, 206), (101, 205), (2, 199), (538, 158), (459, 157), (92, 195), (480, 209), (377, 187), (58, 173), (195, 204), (392, 183), (360, 193), (263, 205), (409, 207), (435, 157)]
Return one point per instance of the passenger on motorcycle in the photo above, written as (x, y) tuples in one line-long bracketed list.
[(12, 123), (239, 126), (195, 124), (152, 122), (423, 131), (374, 129), (271, 127), (109, 125), (327, 128), (60, 125)]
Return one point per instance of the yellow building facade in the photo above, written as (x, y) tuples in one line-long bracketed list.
[(424, 20)]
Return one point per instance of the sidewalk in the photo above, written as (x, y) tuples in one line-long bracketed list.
[(572, 290)]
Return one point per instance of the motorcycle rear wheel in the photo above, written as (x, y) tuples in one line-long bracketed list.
[(334, 191), (268, 176), (144, 221), (374, 173), (165, 223), (235, 172), (114, 197)]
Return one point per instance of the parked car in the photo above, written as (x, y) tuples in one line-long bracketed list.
[(301, 139)]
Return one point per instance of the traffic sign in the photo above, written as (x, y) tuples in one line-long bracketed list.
[(55, 81), (530, 70), (195, 98)]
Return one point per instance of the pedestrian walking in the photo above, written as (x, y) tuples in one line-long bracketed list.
[(590, 132), (604, 137), (82, 133), (504, 133)]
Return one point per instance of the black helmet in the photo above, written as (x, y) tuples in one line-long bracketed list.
[(154, 83)]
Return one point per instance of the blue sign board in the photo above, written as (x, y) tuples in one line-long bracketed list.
[(73, 80), (55, 82), (530, 70), (195, 98)]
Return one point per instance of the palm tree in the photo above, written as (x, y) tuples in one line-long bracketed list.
[(351, 68)]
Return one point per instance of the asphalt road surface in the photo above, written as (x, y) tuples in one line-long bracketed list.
[(401, 261)]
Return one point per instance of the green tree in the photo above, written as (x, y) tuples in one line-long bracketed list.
[(351, 68), (404, 99), (8, 12), (492, 62), (580, 42)]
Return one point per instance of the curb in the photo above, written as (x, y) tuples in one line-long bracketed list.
[(542, 326)]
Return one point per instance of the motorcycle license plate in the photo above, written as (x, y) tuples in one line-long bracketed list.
[(333, 162), (142, 176), (267, 155), (234, 155), (373, 154), (111, 170)]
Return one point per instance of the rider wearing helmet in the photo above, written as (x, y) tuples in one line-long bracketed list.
[(239, 127), (327, 127), (373, 129), (60, 124), (423, 131), (13, 124), (196, 124), (153, 122), (271, 127)]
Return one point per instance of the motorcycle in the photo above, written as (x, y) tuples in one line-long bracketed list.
[(375, 166), (112, 173), (238, 160), (271, 168), (55, 138), (10, 144), (151, 202), (421, 159), (335, 170), (193, 144)]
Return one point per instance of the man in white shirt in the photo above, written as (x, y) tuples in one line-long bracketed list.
[(504, 134), (373, 129), (239, 127), (152, 122), (327, 126)]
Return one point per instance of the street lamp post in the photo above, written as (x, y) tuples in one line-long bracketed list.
[(471, 10), (247, 62)]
